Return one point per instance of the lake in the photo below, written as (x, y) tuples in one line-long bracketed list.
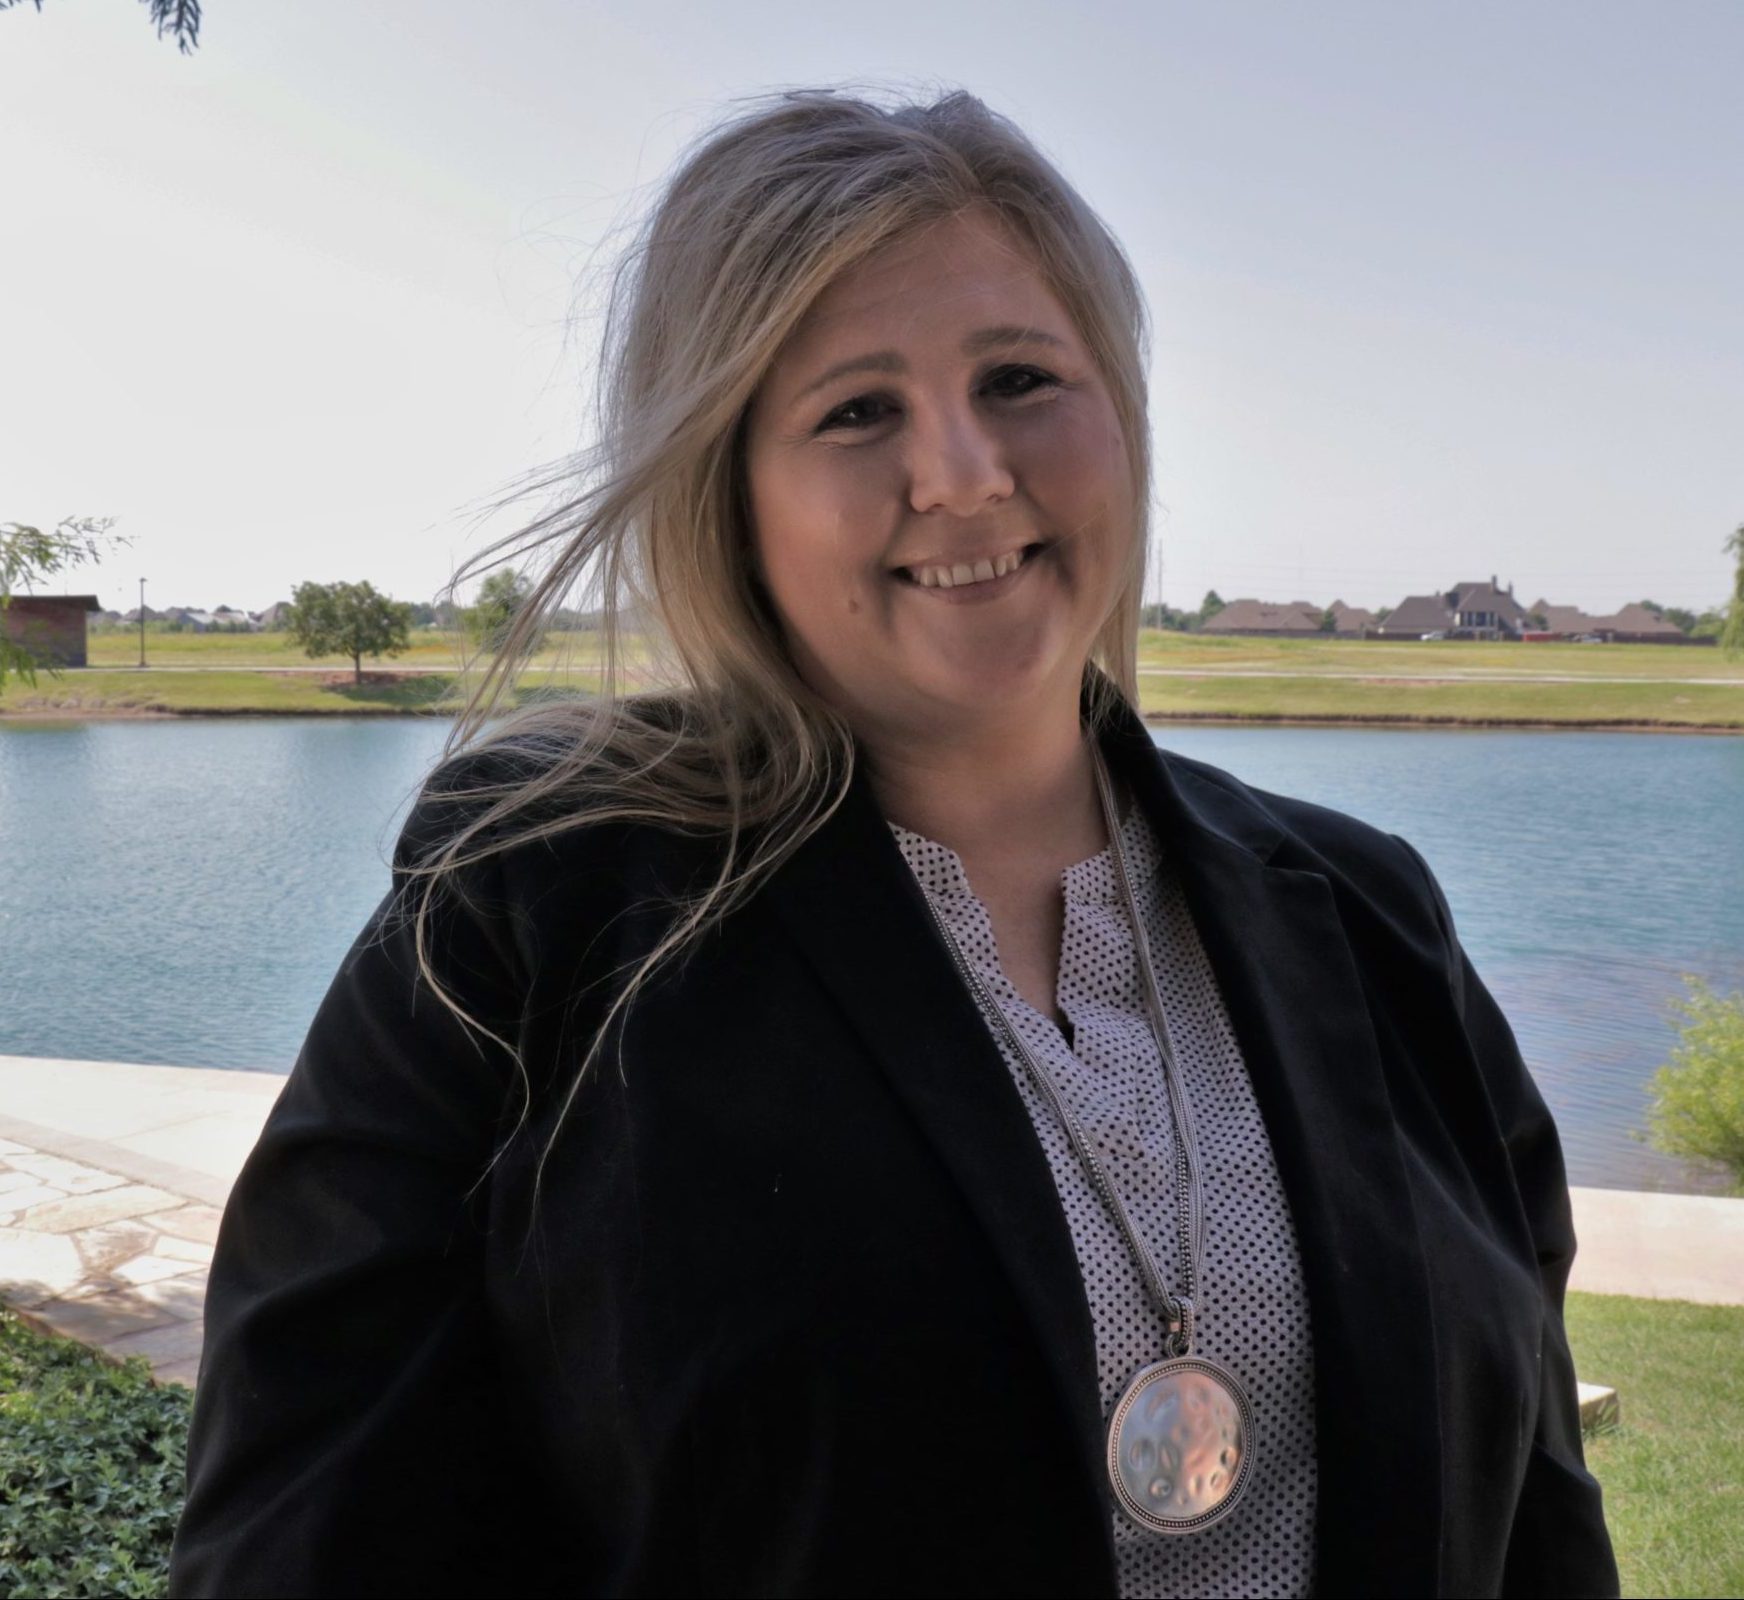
[(182, 891)]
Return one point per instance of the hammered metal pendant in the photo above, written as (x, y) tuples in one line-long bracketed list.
[(1180, 1445)]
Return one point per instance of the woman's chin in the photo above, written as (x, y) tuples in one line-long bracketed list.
[(992, 694)]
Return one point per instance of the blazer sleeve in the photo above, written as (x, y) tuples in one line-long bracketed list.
[(1559, 1544), (349, 1435)]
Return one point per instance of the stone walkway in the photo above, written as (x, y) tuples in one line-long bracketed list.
[(113, 1178)]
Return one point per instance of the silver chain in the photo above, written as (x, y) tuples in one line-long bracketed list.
[(1178, 1310)]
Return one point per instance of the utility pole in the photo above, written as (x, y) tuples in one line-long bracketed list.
[(142, 622)]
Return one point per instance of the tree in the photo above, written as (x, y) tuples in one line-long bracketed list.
[(1165, 616), (1680, 619), (1697, 1097), (1732, 629), (501, 598), (28, 555), (179, 18), (1209, 606), (348, 619), (1328, 621)]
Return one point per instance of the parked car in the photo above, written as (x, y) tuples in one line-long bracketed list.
[(1435, 637)]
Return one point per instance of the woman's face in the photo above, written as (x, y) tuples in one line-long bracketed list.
[(940, 491)]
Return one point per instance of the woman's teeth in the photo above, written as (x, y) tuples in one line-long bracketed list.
[(954, 577)]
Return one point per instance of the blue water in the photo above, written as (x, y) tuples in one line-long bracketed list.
[(181, 891)]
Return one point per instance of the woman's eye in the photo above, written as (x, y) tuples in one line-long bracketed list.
[(844, 416), (1007, 383), (1028, 380)]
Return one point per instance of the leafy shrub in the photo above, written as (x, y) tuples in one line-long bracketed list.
[(91, 1470), (1697, 1109)]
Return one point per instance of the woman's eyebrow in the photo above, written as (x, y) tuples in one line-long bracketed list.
[(889, 361)]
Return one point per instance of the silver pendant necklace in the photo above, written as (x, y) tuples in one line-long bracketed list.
[(1180, 1438)]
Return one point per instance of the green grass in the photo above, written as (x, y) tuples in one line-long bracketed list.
[(1384, 699), (1673, 1472), (93, 692), (1193, 676), (429, 649), (1308, 656), (1174, 651), (91, 1454)]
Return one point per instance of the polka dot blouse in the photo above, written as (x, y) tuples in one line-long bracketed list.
[(1253, 1313)]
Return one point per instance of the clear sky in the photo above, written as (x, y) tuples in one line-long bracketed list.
[(1440, 290)]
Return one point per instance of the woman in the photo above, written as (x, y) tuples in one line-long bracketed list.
[(866, 1121)]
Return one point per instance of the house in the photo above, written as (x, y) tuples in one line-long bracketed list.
[(1474, 610), (1568, 621), (1350, 622), (1416, 615), (50, 626), (1633, 624), (1485, 611), (1264, 619)]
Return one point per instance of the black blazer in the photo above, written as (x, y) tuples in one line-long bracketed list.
[(797, 1309)]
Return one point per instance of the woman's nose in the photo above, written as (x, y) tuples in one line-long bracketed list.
[(956, 463)]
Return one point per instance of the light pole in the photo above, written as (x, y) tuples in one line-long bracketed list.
[(142, 622)]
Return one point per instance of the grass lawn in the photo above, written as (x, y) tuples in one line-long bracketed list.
[(1384, 699), (1673, 1473), (1305, 657), (91, 1455), (1188, 676), (241, 692), (430, 649)]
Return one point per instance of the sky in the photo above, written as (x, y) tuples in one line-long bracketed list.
[(1438, 290)]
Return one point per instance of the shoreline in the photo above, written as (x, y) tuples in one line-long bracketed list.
[(1281, 719), (170, 714), (1361, 719)]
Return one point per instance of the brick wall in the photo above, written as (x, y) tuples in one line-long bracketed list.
[(50, 628)]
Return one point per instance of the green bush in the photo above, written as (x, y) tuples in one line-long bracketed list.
[(91, 1470), (1697, 1108)]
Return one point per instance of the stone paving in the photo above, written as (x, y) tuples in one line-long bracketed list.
[(112, 1182), (117, 1264), (113, 1178)]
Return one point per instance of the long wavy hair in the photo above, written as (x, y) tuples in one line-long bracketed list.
[(651, 523)]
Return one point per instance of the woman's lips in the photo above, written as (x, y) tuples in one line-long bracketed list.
[(975, 590)]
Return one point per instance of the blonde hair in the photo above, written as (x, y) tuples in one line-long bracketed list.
[(763, 213)]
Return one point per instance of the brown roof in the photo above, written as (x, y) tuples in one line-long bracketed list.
[(1262, 616), (53, 602), (1632, 618), (1636, 618), (1565, 619), (1419, 613), (1487, 597), (1352, 619)]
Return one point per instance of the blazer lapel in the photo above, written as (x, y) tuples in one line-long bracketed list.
[(1277, 945), (850, 902)]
